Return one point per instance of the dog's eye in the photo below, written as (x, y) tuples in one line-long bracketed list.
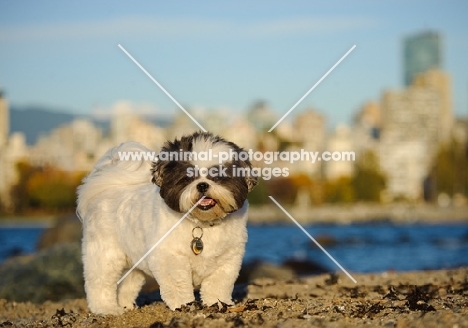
[(187, 179), (218, 178)]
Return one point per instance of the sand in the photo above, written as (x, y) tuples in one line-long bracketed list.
[(414, 299)]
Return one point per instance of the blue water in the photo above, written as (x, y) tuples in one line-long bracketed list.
[(18, 240), (365, 247), (357, 247)]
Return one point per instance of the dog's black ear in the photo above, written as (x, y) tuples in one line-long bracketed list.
[(250, 178), (157, 172), (251, 181)]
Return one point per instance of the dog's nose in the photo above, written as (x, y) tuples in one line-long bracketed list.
[(202, 186)]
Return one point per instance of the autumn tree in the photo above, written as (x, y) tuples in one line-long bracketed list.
[(45, 189)]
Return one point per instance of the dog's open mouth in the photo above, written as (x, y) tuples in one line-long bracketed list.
[(206, 203)]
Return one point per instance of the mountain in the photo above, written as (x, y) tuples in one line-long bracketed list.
[(34, 121)]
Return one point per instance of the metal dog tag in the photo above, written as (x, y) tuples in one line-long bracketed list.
[(197, 245)]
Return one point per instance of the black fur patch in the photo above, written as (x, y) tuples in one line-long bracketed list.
[(171, 175)]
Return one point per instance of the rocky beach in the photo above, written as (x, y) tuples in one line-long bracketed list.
[(389, 299)]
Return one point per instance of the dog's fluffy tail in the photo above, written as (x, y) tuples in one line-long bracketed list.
[(114, 170)]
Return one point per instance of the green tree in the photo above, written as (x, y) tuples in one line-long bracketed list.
[(259, 195), (339, 190), (368, 181), (449, 172)]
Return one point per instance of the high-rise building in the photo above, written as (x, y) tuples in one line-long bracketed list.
[(4, 119), (422, 52), (439, 82), (409, 139), (340, 141), (261, 116), (70, 147), (309, 133), (366, 128), (12, 149)]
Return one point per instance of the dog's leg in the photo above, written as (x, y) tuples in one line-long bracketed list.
[(174, 277), (103, 265), (219, 285), (129, 288)]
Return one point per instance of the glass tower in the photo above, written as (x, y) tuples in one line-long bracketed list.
[(422, 52)]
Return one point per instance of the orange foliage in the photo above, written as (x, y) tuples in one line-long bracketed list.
[(46, 188)]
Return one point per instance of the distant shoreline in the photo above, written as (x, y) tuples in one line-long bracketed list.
[(360, 213), (398, 213), (43, 221)]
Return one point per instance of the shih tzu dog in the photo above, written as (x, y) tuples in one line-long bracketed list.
[(129, 204)]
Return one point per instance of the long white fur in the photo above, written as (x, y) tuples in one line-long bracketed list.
[(202, 145), (124, 216)]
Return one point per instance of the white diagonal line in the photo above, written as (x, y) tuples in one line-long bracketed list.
[(313, 239), (160, 240), (310, 90), (162, 88)]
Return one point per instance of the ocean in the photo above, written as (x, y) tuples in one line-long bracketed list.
[(369, 247)]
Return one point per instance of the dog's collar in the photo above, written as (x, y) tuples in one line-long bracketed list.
[(204, 224)]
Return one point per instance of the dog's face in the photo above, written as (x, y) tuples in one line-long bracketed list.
[(183, 180)]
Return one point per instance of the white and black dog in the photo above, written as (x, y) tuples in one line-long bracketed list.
[(127, 206)]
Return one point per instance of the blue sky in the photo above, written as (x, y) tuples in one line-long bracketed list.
[(212, 54)]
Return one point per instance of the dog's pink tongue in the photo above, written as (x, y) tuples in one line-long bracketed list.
[(207, 202)]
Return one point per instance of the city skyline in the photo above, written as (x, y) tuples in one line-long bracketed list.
[(218, 56), (403, 134)]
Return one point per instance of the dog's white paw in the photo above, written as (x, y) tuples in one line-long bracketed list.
[(219, 302), (176, 303), (128, 306), (112, 310)]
